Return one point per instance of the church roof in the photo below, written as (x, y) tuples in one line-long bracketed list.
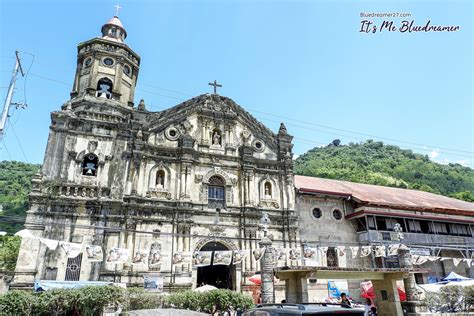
[(382, 196), (212, 105)]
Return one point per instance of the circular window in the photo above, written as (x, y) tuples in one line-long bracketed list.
[(317, 213), (108, 61), (337, 214), (172, 133), (127, 70), (88, 62), (258, 145)]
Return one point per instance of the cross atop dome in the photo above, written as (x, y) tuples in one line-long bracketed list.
[(118, 7), (113, 30)]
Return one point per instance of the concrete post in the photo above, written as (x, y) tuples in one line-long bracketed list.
[(266, 264)]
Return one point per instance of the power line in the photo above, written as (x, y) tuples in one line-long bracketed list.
[(18, 141), (6, 149), (304, 122)]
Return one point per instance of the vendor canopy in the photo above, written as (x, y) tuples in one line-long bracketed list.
[(453, 276)]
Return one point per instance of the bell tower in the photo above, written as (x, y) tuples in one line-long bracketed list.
[(106, 67)]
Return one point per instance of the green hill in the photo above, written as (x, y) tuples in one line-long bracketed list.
[(375, 163), (15, 184), (370, 162)]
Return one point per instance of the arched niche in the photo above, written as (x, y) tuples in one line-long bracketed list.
[(265, 183), (159, 170)]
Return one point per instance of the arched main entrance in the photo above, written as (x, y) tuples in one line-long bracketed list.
[(220, 276)]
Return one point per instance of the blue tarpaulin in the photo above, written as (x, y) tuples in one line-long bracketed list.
[(44, 285)]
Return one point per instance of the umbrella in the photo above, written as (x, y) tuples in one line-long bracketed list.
[(455, 277), (205, 288), (256, 279)]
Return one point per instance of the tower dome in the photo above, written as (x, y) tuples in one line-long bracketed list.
[(113, 30)]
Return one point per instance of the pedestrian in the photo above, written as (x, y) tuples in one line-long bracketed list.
[(367, 307), (345, 300), (373, 311)]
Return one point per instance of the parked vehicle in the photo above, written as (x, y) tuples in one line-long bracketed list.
[(320, 309)]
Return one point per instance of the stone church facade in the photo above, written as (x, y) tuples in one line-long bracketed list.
[(196, 176)]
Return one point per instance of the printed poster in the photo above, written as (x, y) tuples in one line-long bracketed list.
[(118, 255), (94, 253), (223, 257)]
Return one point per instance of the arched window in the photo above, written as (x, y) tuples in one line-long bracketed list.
[(104, 88), (268, 190), (160, 179), (216, 192), (89, 165), (216, 137)]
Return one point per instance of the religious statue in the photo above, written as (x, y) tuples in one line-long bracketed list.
[(268, 192), (216, 138), (159, 180)]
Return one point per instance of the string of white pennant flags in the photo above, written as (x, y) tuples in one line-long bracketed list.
[(153, 257)]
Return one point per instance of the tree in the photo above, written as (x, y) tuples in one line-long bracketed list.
[(9, 247)]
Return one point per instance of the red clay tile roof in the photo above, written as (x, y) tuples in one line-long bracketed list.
[(380, 195)]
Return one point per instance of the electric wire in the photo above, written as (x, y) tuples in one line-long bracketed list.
[(18, 141), (444, 149)]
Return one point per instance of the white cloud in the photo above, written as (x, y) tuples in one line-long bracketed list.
[(434, 153)]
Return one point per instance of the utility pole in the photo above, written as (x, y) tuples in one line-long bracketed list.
[(8, 100)]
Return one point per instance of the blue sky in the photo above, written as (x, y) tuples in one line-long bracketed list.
[(301, 62)]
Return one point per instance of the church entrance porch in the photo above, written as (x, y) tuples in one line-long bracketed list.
[(220, 276)]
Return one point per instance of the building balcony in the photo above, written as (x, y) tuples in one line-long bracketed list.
[(414, 238)]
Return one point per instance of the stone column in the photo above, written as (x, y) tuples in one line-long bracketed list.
[(266, 264), (410, 306)]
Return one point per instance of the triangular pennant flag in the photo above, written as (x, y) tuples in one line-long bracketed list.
[(341, 251), (258, 253), (379, 251), (71, 249), (323, 250), (433, 258), (403, 247), (456, 261), (365, 251), (294, 254), (418, 260), (392, 250), (50, 243), (239, 256), (354, 251), (468, 261)]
